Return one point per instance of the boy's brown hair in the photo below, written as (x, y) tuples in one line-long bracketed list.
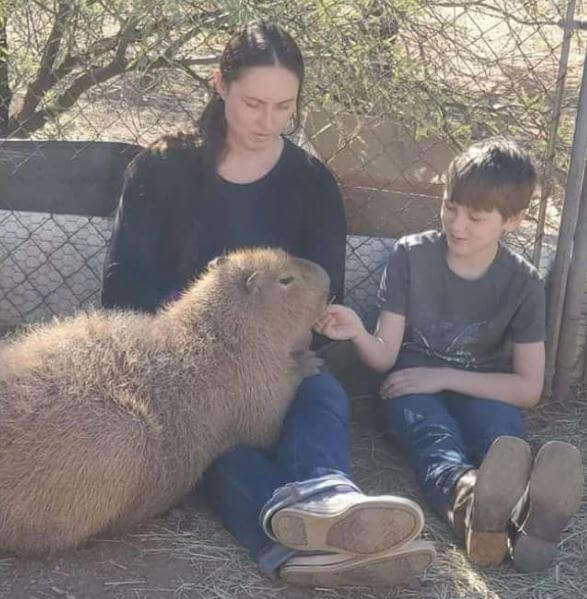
[(494, 173)]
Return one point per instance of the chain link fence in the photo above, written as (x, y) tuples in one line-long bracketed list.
[(394, 89)]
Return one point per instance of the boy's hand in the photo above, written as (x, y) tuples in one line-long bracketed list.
[(339, 323), (412, 380)]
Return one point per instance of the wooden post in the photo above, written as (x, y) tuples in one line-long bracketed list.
[(558, 282), (571, 318), (548, 164)]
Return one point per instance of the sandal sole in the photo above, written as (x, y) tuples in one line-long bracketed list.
[(555, 492), (501, 481)]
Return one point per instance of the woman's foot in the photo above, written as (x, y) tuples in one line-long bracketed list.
[(348, 522), (554, 495), (340, 569), (330, 514)]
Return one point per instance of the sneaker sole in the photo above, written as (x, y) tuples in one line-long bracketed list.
[(372, 525), (501, 481), (339, 570), (555, 492)]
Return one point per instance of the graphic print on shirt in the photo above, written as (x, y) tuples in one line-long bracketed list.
[(450, 342)]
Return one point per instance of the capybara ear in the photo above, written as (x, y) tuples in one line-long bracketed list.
[(252, 283), (217, 261)]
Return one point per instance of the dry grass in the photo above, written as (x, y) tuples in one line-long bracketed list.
[(380, 469), (188, 555)]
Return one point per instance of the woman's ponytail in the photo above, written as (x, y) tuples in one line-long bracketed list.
[(212, 129)]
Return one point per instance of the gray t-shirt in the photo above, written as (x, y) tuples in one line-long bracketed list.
[(455, 322)]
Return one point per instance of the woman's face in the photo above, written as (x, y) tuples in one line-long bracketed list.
[(258, 105)]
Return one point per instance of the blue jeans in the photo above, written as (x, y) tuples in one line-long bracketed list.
[(314, 441), (445, 434)]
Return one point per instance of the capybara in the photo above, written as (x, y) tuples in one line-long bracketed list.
[(108, 418)]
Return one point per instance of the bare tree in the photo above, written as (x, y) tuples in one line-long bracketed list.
[(89, 44)]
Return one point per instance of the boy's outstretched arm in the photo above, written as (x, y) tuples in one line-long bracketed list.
[(378, 351), (522, 387)]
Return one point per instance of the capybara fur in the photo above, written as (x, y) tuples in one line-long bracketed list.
[(108, 418)]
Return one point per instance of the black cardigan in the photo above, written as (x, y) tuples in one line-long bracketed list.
[(173, 218)]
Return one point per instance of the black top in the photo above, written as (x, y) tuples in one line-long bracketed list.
[(173, 219)]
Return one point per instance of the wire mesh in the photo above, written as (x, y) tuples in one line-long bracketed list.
[(395, 88)]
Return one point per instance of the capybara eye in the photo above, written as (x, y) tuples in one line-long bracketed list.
[(286, 280)]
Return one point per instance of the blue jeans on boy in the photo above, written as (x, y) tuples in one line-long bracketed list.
[(314, 442), (445, 434)]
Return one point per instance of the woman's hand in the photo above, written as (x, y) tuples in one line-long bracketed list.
[(413, 380), (339, 323)]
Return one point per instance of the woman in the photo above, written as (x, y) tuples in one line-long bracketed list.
[(246, 185)]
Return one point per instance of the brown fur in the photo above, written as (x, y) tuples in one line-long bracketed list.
[(108, 418)]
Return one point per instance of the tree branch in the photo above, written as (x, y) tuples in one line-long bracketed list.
[(43, 81), (5, 91), (162, 61), (42, 6), (97, 49), (493, 9), (96, 75)]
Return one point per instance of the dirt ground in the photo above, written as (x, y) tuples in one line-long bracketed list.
[(187, 555)]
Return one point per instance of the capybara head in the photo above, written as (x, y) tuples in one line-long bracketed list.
[(277, 290)]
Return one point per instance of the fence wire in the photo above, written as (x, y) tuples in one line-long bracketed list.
[(394, 89)]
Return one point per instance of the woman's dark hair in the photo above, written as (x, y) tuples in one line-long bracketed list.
[(257, 44)]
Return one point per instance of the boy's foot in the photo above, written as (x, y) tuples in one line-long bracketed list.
[(554, 495), (339, 569), (500, 483), (348, 522)]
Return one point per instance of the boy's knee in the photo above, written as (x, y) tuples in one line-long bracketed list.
[(491, 433), (412, 411), (506, 421), (497, 418)]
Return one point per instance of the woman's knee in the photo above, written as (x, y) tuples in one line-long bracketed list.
[(236, 459), (323, 392)]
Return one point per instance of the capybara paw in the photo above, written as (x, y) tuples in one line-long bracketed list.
[(307, 362)]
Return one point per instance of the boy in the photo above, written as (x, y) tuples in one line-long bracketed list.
[(462, 325)]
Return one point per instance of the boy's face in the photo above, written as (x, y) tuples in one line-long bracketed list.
[(474, 233)]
